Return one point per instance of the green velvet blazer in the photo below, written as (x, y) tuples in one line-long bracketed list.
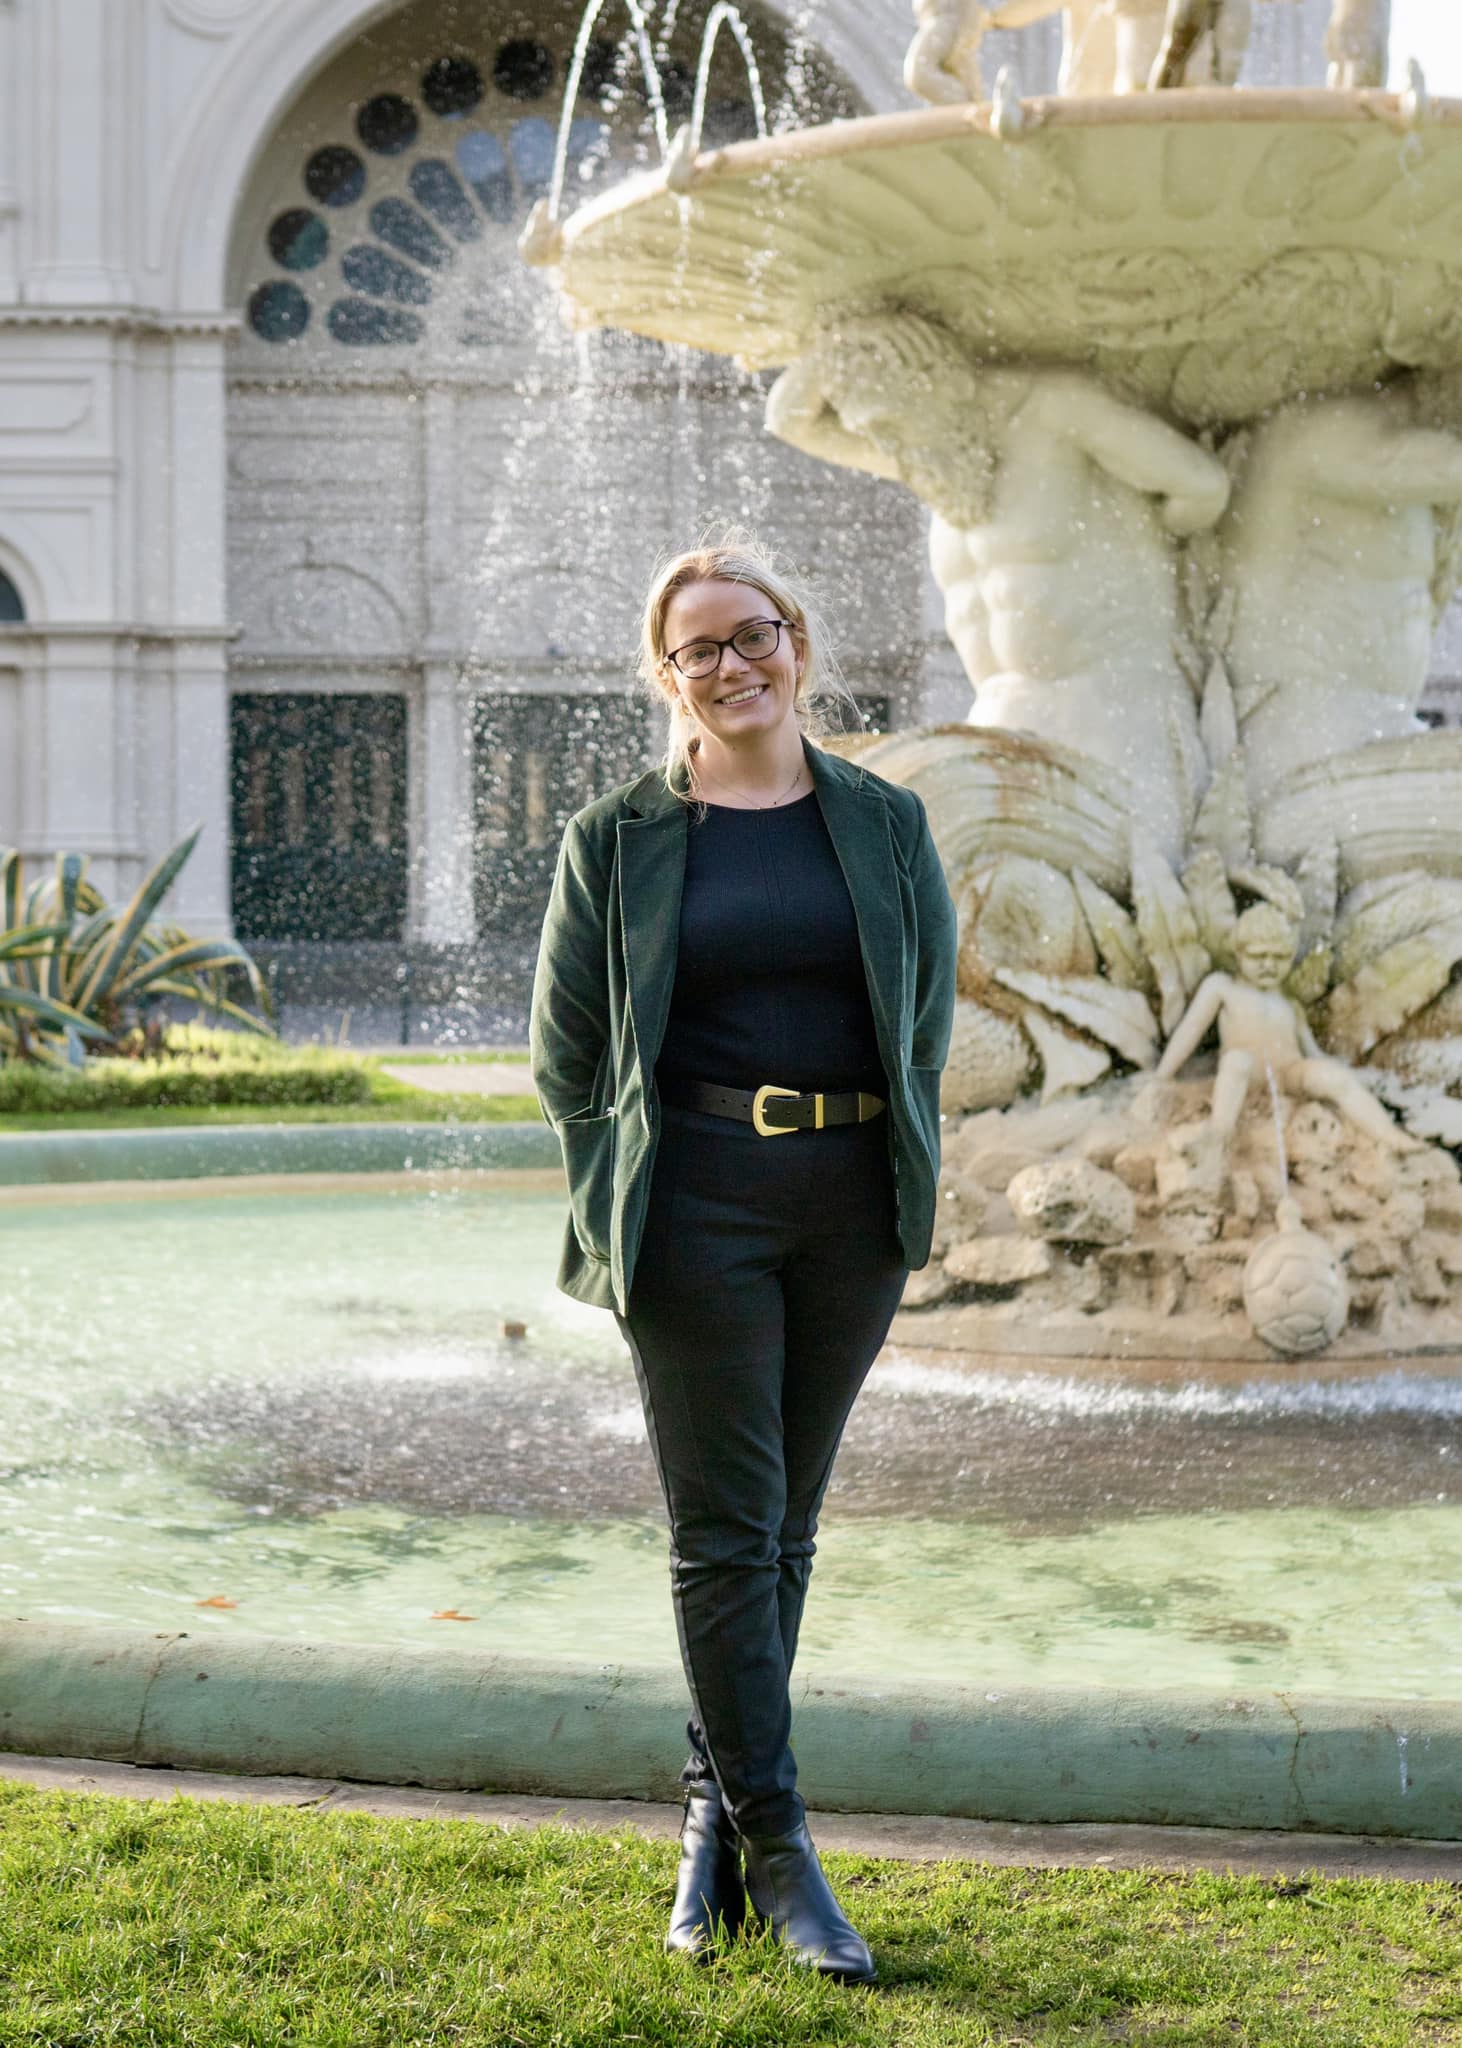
[(606, 969)]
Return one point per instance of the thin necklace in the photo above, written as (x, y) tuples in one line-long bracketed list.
[(751, 802)]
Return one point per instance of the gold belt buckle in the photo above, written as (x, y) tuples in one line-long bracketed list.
[(758, 1117)]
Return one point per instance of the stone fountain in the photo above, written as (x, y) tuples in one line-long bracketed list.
[(1179, 375)]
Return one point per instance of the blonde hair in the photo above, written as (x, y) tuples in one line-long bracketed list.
[(737, 556)]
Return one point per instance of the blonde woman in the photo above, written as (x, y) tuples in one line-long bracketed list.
[(741, 1010)]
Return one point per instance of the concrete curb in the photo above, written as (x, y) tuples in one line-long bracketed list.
[(38, 1158), (900, 1838), (266, 1706)]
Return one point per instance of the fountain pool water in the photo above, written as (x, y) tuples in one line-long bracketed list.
[(300, 1403)]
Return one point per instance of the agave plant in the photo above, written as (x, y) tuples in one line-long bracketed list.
[(75, 973)]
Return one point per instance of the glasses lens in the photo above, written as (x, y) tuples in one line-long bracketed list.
[(699, 658), (758, 639)]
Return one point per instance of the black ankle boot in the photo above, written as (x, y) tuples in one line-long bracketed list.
[(709, 1896), (787, 1888)]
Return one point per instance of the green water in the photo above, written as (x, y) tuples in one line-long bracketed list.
[(303, 1404)]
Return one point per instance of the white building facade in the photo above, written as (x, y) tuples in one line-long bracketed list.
[(316, 527)]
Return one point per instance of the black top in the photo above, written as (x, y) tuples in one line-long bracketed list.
[(769, 982)]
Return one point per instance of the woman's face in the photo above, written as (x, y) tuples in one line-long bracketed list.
[(743, 699)]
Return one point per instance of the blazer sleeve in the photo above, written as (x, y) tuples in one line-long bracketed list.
[(937, 951), (568, 1028)]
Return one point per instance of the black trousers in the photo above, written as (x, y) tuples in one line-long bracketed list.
[(766, 1281)]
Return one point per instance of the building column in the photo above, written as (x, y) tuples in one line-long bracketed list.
[(81, 53), (441, 911), (199, 790)]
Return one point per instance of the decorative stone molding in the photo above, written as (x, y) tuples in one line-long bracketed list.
[(121, 319), (210, 17)]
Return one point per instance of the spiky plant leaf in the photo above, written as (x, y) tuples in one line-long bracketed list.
[(1168, 930), (1114, 935), (111, 958)]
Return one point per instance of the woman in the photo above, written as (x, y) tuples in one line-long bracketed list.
[(753, 944)]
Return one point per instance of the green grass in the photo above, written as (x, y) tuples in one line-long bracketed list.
[(414, 1106), (186, 1924), (101, 1103)]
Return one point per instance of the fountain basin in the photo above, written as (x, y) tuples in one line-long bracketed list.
[(506, 1724), (1209, 254), (296, 1400)]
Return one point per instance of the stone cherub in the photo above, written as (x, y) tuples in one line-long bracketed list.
[(1263, 1031), (1121, 46), (1106, 45), (1058, 514), (1204, 42)]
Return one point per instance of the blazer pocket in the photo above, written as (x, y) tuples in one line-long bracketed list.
[(587, 1143)]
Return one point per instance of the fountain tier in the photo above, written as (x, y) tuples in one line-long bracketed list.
[(1209, 254)]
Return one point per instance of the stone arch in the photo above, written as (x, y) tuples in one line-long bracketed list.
[(273, 62), (17, 573)]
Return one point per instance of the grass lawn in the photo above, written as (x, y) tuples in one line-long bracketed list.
[(186, 1924), (391, 1102), (412, 1106)]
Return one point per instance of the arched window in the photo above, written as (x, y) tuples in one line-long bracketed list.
[(410, 206), (12, 604)]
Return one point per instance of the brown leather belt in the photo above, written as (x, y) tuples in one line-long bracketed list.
[(789, 1111)]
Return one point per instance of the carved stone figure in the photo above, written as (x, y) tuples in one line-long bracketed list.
[(1058, 509), (942, 63), (1263, 1031), (1338, 544), (1357, 44), (1295, 1294), (1106, 45)]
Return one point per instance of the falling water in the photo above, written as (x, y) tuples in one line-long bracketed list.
[(651, 70), (1278, 1133), (724, 15)]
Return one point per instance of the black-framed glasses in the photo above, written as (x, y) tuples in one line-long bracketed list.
[(757, 640)]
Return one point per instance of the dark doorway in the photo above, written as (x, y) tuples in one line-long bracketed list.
[(537, 760), (319, 816)]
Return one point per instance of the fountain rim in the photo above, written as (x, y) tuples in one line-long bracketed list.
[(1208, 107)]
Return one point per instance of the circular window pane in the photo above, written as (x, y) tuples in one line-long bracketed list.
[(299, 239), (335, 176), (452, 87), (279, 311), (12, 609), (603, 63), (523, 69), (440, 191), (677, 89), (402, 228), (482, 163), (359, 324), (368, 269), (387, 124)]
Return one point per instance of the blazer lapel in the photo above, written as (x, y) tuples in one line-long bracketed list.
[(857, 820), (651, 882)]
